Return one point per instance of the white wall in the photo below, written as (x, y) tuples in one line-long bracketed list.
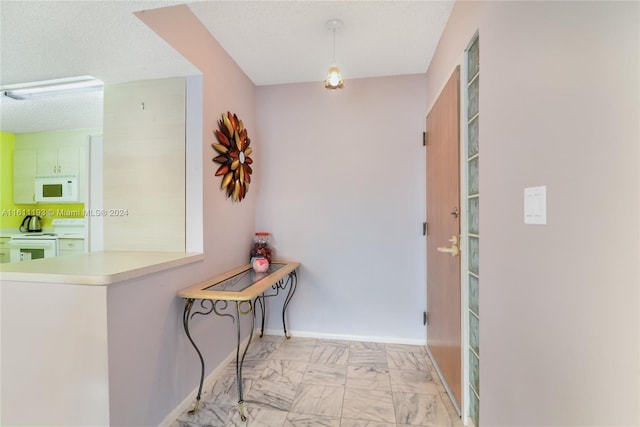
[(55, 374), (144, 165), (341, 188), (194, 166), (559, 104)]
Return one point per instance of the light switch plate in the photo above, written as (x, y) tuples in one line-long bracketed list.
[(535, 205)]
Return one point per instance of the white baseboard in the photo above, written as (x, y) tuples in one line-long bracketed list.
[(341, 337), (189, 401)]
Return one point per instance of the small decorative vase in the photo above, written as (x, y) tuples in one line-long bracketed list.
[(261, 248), (260, 264)]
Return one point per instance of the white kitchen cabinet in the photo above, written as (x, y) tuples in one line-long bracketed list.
[(49, 161), (70, 246), (24, 177), (57, 161), (4, 249)]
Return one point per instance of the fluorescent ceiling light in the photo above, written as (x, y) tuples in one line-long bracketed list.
[(48, 88)]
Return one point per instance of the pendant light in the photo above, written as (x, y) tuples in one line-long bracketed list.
[(334, 76)]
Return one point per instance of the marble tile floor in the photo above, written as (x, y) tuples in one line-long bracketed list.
[(306, 382)]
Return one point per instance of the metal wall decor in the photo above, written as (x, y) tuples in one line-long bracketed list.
[(233, 155)]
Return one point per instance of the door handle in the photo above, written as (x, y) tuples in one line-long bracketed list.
[(453, 250)]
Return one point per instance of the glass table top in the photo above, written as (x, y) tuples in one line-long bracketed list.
[(243, 280), (242, 283)]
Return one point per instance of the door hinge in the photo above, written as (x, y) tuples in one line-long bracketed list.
[(424, 139), (425, 228), (424, 318)]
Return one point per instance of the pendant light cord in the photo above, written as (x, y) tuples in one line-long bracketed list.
[(334, 45), (334, 76)]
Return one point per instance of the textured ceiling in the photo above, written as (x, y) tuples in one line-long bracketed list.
[(285, 42), (273, 42)]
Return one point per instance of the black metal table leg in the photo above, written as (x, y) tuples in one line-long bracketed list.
[(218, 307), (292, 279), (185, 322), (263, 307), (240, 360)]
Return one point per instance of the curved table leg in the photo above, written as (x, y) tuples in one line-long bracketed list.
[(263, 307), (185, 322), (293, 283), (240, 360)]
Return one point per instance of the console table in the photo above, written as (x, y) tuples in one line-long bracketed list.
[(243, 288)]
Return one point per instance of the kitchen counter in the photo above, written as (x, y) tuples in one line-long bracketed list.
[(70, 326), (95, 268), (8, 232)]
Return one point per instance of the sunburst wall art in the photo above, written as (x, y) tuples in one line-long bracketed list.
[(233, 156)]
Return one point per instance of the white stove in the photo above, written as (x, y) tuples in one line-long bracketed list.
[(28, 246), (34, 235), (35, 245), (69, 227)]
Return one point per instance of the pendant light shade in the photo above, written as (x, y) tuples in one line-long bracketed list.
[(334, 78)]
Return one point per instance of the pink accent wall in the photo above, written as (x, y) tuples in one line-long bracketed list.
[(152, 366), (559, 99), (342, 189), (227, 226), (559, 329)]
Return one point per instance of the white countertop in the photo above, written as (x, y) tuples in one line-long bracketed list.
[(95, 268), (8, 232)]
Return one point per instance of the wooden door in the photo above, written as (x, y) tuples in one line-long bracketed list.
[(444, 329)]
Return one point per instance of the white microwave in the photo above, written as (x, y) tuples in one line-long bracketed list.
[(57, 189)]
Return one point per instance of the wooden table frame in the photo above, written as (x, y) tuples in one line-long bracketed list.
[(248, 288)]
